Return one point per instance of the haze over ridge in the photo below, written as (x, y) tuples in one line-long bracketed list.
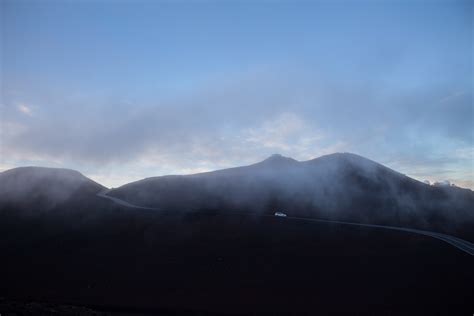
[(213, 85)]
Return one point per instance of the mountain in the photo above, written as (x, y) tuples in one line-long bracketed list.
[(212, 254), (340, 186), (38, 188)]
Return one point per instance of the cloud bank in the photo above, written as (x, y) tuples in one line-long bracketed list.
[(241, 121), (140, 90)]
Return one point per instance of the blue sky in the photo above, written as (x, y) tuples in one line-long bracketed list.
[(122, 90)]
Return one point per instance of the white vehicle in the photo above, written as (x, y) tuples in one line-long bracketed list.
[(280, 214)]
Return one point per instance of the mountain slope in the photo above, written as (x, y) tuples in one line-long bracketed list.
[(38, 188), (87, 250), (337, 186)]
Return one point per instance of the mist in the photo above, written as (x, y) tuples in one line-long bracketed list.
[(236, 157), (337, 187), (34, 191), (198, 99)]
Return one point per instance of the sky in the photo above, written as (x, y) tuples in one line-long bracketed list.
[(123, 90)]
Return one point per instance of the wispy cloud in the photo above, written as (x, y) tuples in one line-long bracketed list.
[(25, 109), (285, 132), (244, 119)]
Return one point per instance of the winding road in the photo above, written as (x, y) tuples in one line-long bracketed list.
[(460, 244), (103, 194)]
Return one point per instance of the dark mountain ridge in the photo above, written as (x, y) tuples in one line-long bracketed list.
[(40, 188), (87, 250), (339, 186)]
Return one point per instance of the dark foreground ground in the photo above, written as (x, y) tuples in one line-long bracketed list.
[(146, 263)]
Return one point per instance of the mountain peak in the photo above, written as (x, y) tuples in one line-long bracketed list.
[(40, 188), (278, 159), (34, 173), (43, 179), (344, 157)]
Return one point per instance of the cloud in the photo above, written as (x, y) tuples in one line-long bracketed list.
[(23, 108), (283, 133), (228, 122)]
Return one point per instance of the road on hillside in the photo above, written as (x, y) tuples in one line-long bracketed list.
[(460, 244), (103, 194)]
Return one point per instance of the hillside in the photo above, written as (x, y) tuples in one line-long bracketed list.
[(33, 189), (337, 186), (201, 264), (208, 252)]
